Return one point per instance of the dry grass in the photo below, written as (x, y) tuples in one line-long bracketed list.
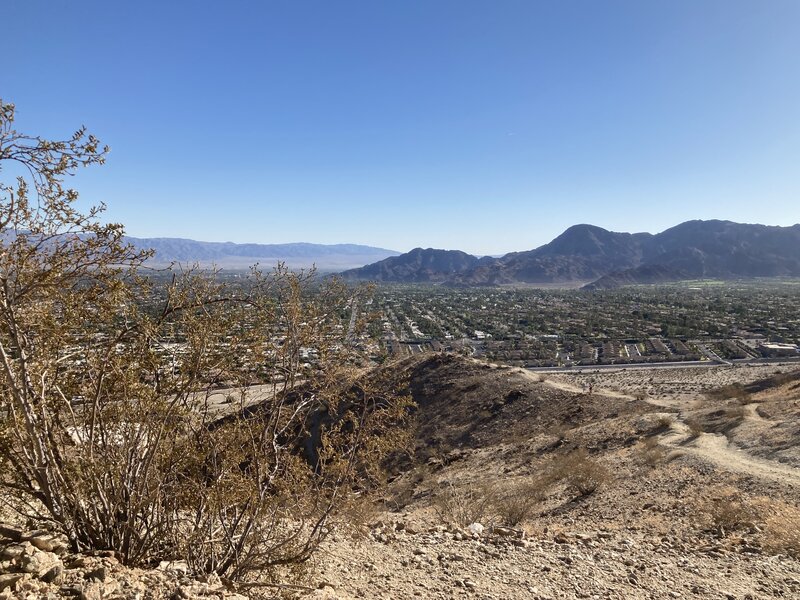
[(728, 511), (465, 505), (665, 422), (519, 503), (736, 413), (582, 475), (728, 392), (695, 426), (773, 524), (357, 515), (650, 453), (781, 526)]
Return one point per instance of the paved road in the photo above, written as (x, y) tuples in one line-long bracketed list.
[(667, 365)]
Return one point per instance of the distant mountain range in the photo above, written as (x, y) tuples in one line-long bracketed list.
[(333, 257), (600, 258), (417, 266)]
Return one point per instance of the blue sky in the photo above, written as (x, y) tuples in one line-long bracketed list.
[(485, 126)]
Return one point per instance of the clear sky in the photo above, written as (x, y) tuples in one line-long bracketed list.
[(485, 126)]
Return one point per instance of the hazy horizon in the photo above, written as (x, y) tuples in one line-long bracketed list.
[(404, 250), (483, 127)]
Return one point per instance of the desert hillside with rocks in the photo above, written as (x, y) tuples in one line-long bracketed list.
[(657, 484), (696, 495)]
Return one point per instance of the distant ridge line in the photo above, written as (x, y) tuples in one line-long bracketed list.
[(599, 258)]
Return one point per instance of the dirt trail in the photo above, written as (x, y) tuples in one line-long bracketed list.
[(712, 447), (751, 412), (575, 389), (717, 449)]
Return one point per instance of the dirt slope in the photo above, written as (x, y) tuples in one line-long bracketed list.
[(679, 514)]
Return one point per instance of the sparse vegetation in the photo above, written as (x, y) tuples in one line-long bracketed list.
[(695, 426), (582, 475), (728, 511), (781, 529), (728, 392), (518, 502), (735, 413), (651, 453), (464, 504), (108, 431), (664, 423)]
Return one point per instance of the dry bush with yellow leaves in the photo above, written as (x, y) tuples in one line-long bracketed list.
[(112, 430)]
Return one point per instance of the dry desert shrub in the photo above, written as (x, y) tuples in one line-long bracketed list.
[(727, 511), (735, 413), (777, 521), (727, 392), (695, 426), (582, 475), (465, 504), (358, 514), (650, 453), (665, 422), (518, 503), (674, 454), (108, 431), (780, 524)]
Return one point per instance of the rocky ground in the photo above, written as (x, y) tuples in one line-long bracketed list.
[(36, 564), (577, 562), (696, 496), (680, 515)]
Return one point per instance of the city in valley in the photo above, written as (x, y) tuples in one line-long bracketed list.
[(688, 324)]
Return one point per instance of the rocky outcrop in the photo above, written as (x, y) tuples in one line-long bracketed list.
[(37, 564)]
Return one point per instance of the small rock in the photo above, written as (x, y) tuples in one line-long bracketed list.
[(43, 540), (475, 528), (12, 552), (410, 529), (179, 566), (191, 590), (53, 575), (9, 580), (509, 532), (38, 563), (68, 591), (10, 532), (99, 574), (91, 592)]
